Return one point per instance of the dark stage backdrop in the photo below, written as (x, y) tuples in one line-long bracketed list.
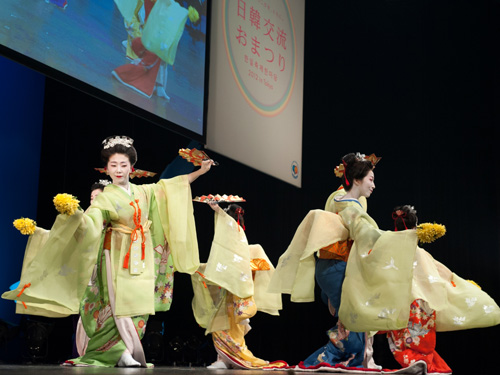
[(415, 82), (20, 141)]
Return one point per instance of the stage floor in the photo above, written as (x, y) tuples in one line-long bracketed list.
[(41, 369), (63, 370)]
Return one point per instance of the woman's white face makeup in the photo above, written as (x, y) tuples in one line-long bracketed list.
[(119, 169), (367, 185)]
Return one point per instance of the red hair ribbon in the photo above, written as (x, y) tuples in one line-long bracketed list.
[(240, 212), (399, 214), (345, 173)]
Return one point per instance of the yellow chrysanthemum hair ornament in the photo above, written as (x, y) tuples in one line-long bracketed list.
[(25, 226), (430, 232), (193, 15), (66, 204)]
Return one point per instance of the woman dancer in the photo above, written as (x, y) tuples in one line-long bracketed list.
[(333, 234), (137, 236), (441, 301), (152, 43), (231, 288), (323, 232), (373, 290)]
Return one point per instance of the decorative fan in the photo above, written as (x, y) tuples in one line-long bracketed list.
[(136, 173), (194, 156), (373, 158), (219, 198)]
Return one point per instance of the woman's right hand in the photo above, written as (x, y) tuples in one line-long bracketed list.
[(215, 206)]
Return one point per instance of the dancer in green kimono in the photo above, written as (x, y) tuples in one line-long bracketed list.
[(128, 244), (230, 288)]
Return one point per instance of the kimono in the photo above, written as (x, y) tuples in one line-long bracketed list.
[(417, 342), (230, 289), (319, 250), (152, 43), (442, 301), (114, 264), (374, 290)]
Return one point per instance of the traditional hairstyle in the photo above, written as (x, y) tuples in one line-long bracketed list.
[(118, 145), (355, 167), (405, 217), (236, 212), (99, 185)]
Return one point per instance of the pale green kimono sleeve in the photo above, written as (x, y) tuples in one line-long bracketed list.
[(58, 265), (209, 303), (175, 207), (376, 293), (296, 267), (267, 302), (228, 264), (459, 304)]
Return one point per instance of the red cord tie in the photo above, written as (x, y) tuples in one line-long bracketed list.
[(240, 212), (22, 291), (203, 276), (399, 214), (345, 173), (135, 235)]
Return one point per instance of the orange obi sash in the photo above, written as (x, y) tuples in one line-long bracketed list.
[(338, 250), (259, 264)]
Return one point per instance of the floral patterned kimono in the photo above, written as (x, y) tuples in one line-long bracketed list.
[(442, 301), (128, 246), (417, 342), (384, 274), (230, 289), (324, 235)]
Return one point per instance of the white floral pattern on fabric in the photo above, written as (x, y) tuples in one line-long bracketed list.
[(390, 265), (220, 267), (471, 301)]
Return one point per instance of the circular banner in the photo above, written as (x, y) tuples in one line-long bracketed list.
[(260, 44)]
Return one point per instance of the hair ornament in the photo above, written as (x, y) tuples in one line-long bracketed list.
[(399, 214), (118, 140), (103, 182), (341, 168), (373, 158)]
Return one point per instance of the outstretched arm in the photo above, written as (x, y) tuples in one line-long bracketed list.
[(204, 168)]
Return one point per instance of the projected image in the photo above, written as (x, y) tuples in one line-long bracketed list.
[(150, 53)]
